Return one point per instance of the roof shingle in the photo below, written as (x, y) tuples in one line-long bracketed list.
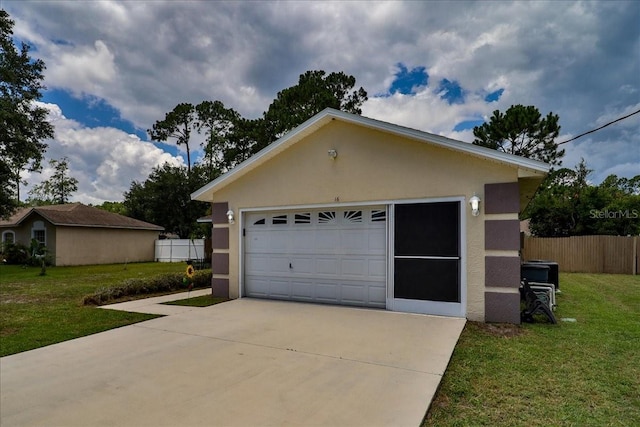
[(79, 215)]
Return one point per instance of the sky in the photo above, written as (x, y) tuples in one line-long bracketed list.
[(115, 68)]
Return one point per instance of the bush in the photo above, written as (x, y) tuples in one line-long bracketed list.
[(16, 254), (19, 254), (163, 283)]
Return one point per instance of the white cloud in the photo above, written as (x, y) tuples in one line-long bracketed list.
[(84, 70), (576, 59), (104, 160)]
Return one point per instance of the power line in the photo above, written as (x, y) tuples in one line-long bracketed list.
[(597, 129)]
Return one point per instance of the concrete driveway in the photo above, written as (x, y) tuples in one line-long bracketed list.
[(242, 363)]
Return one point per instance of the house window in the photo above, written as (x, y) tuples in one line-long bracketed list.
[(39, 233), (8, 237)]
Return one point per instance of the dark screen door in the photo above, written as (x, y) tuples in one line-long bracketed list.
[(427, 251)]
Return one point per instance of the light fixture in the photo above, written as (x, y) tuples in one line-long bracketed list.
[(474, 201), (230, 217), (333, 154)]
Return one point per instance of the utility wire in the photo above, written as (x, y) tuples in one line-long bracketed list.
[(594, 130)]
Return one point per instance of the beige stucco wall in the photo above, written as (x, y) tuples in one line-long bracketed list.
[(84, 245), (371, 166)]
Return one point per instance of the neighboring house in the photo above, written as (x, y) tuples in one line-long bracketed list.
[(349, 210), (75, 234)]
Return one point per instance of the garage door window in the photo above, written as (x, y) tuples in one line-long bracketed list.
[(328, 217), (353, 216), (279, 219), (378, 216), (303, 218)]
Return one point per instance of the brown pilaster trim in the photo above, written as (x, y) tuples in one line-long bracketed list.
[(220, 287), (502, 235), (502, 198), (219, 212), (502, 271), (220, 263), (502, 307), (220, 238)]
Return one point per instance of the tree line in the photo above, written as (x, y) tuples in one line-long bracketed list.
[(230, 138), (164, 198)]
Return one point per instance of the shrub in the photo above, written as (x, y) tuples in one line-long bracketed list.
[(162, 283), (19, 254), (16, 253)]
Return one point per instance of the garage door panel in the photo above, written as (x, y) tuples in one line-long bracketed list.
[(302, 265), (279, 288), (378, 242), (278, 242), (354, 294), (258, 264), (354, 241), (278, 264), (300, 240), (327, 241), (329, 256), (326, 292), (302, 291), (377, 268), (377, 296), (354, 267), (327, 266), (259, 287)]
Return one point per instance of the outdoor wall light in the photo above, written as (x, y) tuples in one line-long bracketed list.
[(230, 216), (332, 154), (474, 201)]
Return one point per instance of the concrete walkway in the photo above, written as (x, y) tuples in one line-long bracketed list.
[(240, 363)]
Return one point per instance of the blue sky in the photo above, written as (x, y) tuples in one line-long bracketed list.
[(114, 68)]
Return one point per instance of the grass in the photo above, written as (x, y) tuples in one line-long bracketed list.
[(36, 311), (201, 301), (585, 373)]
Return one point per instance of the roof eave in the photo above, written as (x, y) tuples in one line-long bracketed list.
[(121, 227)]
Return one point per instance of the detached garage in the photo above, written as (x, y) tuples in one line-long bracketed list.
[(353, 211)]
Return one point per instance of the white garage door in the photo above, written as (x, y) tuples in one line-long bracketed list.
[(335, 256)]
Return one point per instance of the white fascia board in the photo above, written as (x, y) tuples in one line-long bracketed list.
[(534, 167)]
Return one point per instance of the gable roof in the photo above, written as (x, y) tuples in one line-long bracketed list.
[(526, 167), (79, 215)]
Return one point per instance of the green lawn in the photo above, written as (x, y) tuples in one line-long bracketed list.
[(40, 310), (585, 373), (201, 301)]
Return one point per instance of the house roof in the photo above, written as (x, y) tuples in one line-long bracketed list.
[(526, 167), (78, 215)]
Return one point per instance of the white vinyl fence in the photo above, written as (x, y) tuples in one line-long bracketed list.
[(176, 250)]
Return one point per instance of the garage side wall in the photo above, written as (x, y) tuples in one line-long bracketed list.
[(86, 246), (371, 166)]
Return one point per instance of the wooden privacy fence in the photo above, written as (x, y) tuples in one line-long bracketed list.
[(586, 254)]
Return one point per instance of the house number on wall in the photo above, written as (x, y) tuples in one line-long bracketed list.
[(337, 199)]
